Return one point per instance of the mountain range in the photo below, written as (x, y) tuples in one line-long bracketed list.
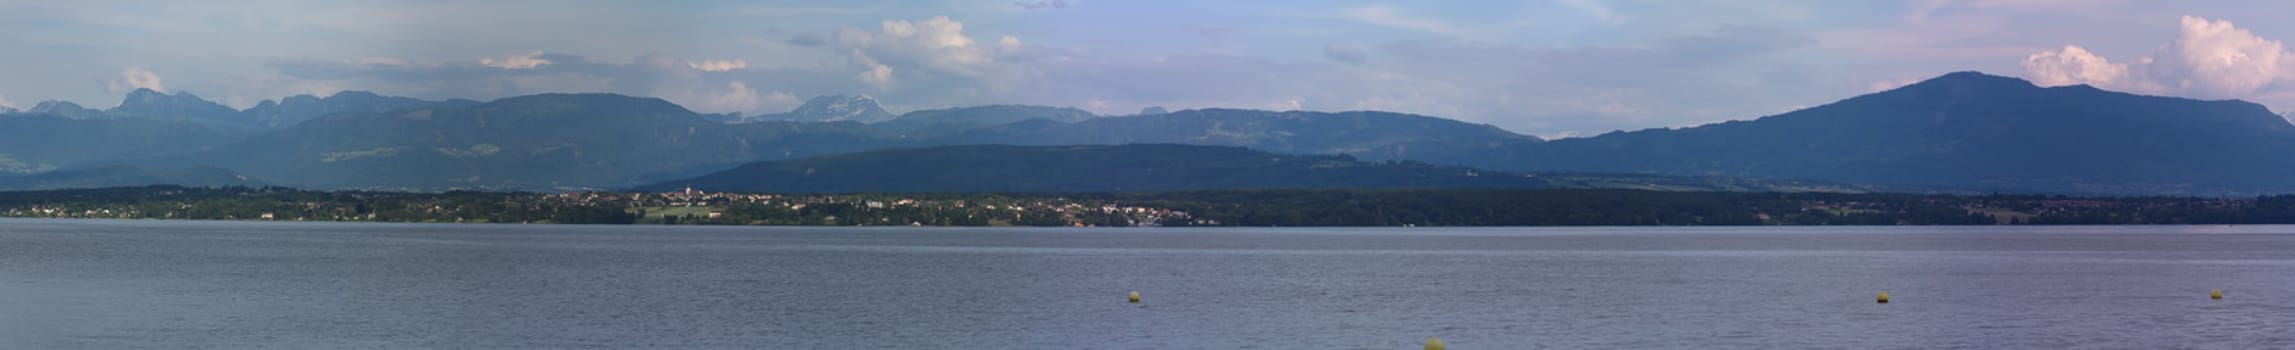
[(827, 108), (1068, 169), (1970, 132), (1960, 132), (125, 176)]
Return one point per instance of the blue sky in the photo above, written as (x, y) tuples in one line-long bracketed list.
[(1543, 67)]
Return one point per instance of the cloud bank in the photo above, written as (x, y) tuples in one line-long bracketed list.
[(2207, 59), (526, 61), (718, 66)]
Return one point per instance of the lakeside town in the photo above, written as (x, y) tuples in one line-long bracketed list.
[(684, 207), (1207, 208)]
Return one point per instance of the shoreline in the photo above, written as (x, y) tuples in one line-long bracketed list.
[(1408, 208)]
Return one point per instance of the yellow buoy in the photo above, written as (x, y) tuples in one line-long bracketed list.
[(1135, 296), (2215, 294), (1433, 343), (1882, 298)]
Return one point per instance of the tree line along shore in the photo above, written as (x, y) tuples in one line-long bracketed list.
[(1393, 207)]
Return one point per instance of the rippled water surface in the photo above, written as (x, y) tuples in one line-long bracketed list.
[(156, 284)]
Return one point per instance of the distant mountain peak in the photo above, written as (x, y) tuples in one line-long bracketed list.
[(841, 107), (602, 106), (1969, 131), (59, 108), (148, 98), (144, 97), (183, 106), (353, 94), (593, 100), (1970, 74), (1974, 79), (298, 108), (833, 108)]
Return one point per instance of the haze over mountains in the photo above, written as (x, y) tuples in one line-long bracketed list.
[(1958, 132), (1097, 168), (827, 108)]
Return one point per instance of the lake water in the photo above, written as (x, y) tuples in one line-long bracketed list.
[(67, 284)]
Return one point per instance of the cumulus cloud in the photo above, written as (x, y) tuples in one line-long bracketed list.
[(936, 59), (778, 101), (132, 78), (736, 97), (2072, 65), (937, 43), (1042, 4), (2215, 58), (526, 61), (1345, 53), (2208, 59), (4, 103), (876, 74), (718, 66)]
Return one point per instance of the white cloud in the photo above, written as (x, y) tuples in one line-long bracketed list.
[(2072, 65), (4, 103), (737, 97), (936, 43), (526, 61), (778, 101), (2214, 58), (718, 66), (1878, 86), (2207, 59), (1388, 16), (873, 73), (132, 78)]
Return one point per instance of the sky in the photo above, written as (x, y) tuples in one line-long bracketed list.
[(1552, 68)]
